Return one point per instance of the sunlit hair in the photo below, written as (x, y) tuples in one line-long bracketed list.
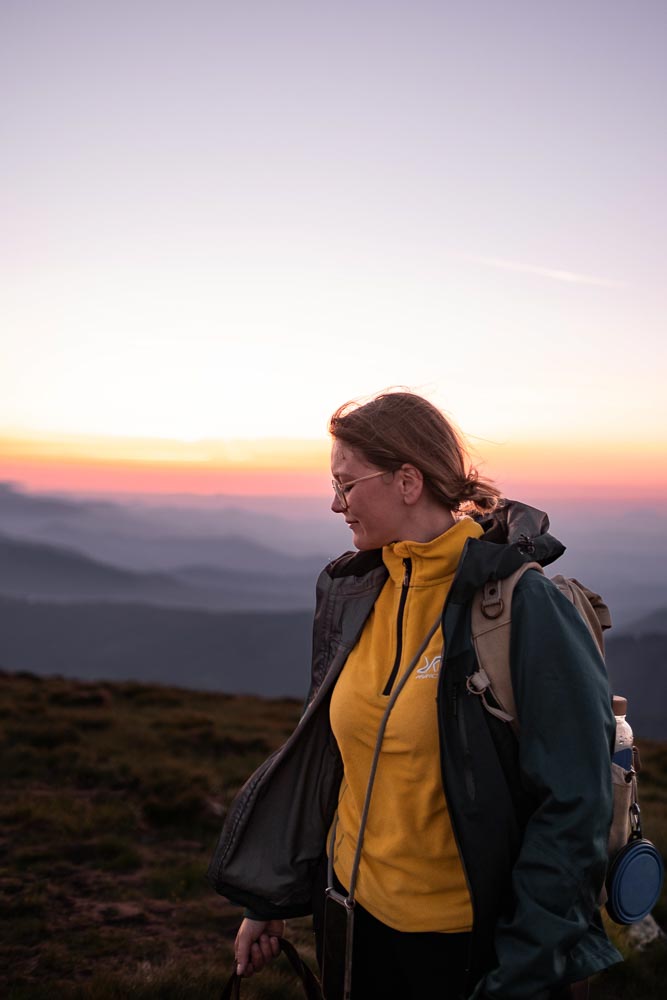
[(398, 427)]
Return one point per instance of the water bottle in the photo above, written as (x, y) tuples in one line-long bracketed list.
[(624, 737)]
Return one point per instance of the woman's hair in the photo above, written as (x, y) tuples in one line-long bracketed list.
[(397, 427)]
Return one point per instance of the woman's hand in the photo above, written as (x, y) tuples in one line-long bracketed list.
[(257, 944)]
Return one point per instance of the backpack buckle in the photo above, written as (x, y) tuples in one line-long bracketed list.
[(492, 603), (479, 683)]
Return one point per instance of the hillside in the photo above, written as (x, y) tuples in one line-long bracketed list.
[(249, 652), (637, 666), (267, 653), (654, 623), (111, 803)]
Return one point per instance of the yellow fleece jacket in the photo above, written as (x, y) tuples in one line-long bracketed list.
[(410, 875)]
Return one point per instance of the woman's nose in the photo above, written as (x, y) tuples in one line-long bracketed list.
[(337, 506)]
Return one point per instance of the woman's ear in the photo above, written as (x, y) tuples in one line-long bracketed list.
[(411, 483)]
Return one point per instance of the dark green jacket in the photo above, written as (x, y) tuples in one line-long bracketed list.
[(531, 821)]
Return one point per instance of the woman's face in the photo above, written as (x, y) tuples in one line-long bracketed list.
[(376, 512)]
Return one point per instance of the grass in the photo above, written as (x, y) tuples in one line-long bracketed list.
[(110, 806)]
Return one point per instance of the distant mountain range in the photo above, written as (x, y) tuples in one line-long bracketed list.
[(157, 536), (93, 590), (54, 573), (236, 574), (196, 542)]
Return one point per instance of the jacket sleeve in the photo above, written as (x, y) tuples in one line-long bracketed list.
[(567, 730)]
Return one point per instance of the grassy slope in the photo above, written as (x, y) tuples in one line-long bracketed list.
[(110, 805)]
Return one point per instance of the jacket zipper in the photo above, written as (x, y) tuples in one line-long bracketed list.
[(469, 780), (455, 712), (463, 734), (407, 566)]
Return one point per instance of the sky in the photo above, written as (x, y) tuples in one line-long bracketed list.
[(222, 220)]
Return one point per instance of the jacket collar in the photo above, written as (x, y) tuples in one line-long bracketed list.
[(513, 534)]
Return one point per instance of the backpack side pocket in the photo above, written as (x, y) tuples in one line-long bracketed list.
[(625, 791)]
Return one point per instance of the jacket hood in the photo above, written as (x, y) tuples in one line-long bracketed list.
[(515, 523), (514, 533)]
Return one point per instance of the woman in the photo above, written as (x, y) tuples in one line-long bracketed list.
[(472, 866)]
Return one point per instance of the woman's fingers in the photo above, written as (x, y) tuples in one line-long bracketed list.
[(255, 947), (262, 952), (275, 946)]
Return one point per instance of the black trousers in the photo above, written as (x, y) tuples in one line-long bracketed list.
[(400, 965)]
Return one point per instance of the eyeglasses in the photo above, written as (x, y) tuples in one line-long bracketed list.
[(342, 489)]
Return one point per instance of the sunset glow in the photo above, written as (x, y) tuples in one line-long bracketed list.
[(218, 232), (588, 469)]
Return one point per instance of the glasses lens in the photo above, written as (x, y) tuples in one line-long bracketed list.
[(340, 494)]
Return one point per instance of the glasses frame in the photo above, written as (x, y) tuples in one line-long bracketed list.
[(342, 489)]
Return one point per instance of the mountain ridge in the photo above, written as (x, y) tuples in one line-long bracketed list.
[(37, 569), (247, 652)]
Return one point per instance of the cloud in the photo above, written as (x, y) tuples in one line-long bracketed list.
[(544, 272)]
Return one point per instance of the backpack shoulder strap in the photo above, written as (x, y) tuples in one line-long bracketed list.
[(490, 625)]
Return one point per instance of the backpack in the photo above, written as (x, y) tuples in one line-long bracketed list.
[(635, 868)]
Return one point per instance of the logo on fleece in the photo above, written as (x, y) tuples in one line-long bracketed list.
[(431, 668)]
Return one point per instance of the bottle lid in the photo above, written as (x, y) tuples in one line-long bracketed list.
[(619, 704)]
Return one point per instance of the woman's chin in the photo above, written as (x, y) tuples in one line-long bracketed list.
[(358, 539), (361, 541), (365, 540)]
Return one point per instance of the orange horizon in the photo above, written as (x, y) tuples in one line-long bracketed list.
[(594, 470)]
